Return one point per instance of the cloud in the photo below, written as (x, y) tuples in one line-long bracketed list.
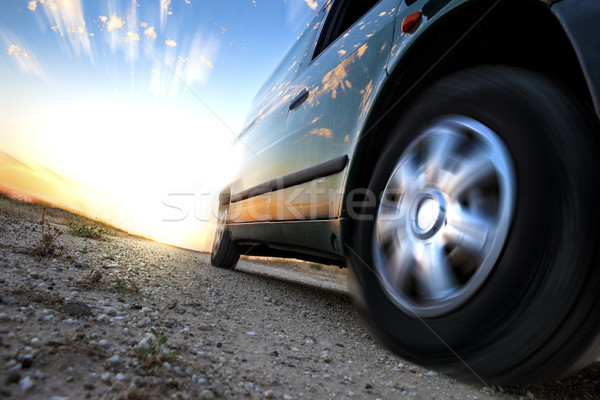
[(144, 24), (13, 50), (67, 18), (206, 61), (194, 63), (150, 33), (25, 60), (133, 36), (114, 23), (312, 4), (165, 10), (103, 18), (170, 43)]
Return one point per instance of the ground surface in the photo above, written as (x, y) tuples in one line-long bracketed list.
[(71, 324)]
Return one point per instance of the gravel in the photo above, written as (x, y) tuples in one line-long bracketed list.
[(130, 317)]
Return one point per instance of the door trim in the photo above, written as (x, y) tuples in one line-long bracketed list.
[(296, 178)]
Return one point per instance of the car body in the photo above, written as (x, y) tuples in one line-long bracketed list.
[(327, 129)]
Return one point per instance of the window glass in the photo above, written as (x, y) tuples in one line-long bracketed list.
[(343, 15)]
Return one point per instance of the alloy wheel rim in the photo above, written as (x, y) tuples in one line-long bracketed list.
[(444, 216), (220, 229)]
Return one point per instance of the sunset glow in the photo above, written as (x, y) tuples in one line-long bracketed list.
[(125, 110)]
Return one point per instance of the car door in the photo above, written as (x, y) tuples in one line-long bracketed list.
[(335, 91), (258, 150)]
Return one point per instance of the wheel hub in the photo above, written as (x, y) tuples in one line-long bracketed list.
[(428, 214)]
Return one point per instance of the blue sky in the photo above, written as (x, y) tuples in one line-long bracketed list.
[(136, 99)]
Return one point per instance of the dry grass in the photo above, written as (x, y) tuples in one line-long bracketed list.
[(75, 224), (47, 245)]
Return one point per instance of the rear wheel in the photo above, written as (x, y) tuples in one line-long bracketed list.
[(225, 253), (481, 256)]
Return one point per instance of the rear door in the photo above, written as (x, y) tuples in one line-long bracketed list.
[(260, 150)]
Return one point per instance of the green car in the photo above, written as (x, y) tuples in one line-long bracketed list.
[(447, 152)]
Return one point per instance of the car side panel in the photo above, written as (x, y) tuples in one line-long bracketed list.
[(341, 82), (257, 150)]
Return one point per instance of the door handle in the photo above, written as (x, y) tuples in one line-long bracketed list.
[(301, 98)]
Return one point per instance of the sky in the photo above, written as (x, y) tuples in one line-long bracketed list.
[(124, 110)]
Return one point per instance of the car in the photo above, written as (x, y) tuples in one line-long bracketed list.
[(447, 152)]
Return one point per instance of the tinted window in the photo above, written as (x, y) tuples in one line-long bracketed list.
[(343, 15)]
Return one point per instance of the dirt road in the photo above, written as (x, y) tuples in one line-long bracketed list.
[(87, 322)]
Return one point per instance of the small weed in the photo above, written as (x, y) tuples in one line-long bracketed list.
[(317, 267), (47, 245), (83, 250), (155, 353), (90, 231), (126, 285)]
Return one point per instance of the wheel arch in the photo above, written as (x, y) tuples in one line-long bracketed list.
[(538, 42)]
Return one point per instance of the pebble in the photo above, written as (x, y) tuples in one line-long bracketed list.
[(105, 377), (487, 390), (137, 381), (58, 398), (110, 311), (103, 318), (26, 383), (8, 300), (76, 308), (120, 377), (268, 394), (206, 395), (431, 373), (95, 276), (13, 376), (114, 360), (35, 342)]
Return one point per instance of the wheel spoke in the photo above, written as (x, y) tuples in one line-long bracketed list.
[(435, 277), (406, 178), (440, 148), (390, 226), (471, 170), (469, 230), (401, 265)]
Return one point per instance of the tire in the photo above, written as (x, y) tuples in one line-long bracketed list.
[(481, 259), (225, 253)]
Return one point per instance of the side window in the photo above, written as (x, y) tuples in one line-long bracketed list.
[(342, 16)]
